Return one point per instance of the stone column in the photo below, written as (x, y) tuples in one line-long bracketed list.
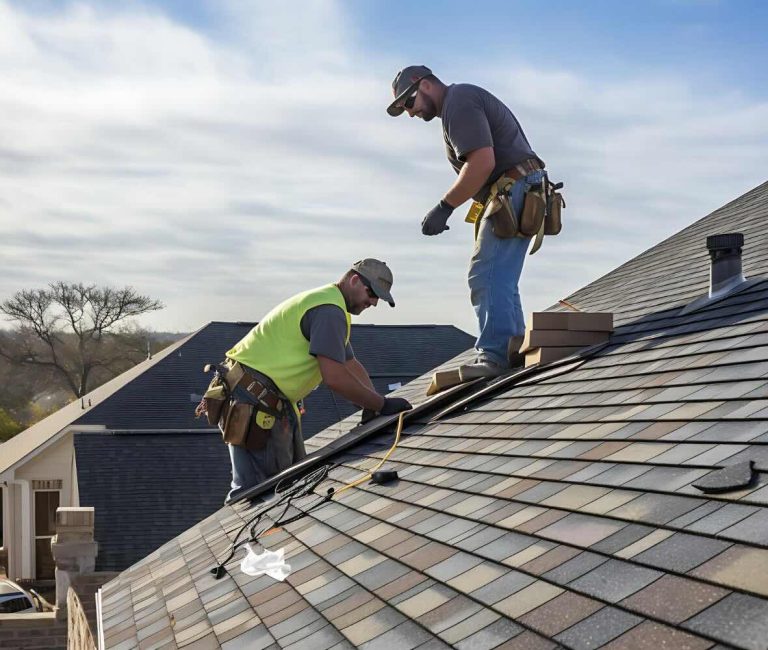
[(73, 547)]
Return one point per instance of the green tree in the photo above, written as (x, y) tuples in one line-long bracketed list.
[(8, 426), (75, 330)]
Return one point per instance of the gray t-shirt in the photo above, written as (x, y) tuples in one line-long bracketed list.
[(325, 327), (472, 119)]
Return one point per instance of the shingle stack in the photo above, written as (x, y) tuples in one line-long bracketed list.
[(552, 335)]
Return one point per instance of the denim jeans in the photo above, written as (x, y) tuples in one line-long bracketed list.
[(494, 274), (285, 447)]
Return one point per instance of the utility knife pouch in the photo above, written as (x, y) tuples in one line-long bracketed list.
[(257, 435), (553, 222)]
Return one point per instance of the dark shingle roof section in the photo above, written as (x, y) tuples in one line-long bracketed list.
[(558, 511), (163, 396), (148, 488), (676, 271)]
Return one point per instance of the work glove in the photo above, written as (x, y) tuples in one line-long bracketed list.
[(394, 405), (437, 218)]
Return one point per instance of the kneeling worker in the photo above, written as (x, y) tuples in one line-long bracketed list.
[(301, 342)]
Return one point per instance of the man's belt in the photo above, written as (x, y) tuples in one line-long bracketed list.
[(261, 392), (521, 170), (238, 376), (501, 186)]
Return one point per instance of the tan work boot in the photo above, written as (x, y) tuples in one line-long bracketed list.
[(481, 368), (514, 356)]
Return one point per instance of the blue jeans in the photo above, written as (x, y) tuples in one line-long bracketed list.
[(494, 274), (285, 447)]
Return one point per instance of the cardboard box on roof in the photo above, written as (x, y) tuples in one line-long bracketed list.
[(561, 339), (548, 355), (582, 321)]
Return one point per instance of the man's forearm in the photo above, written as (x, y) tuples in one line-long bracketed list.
[(338, 377), (466, 186), (359, 371), (473, 175), (352, 389)]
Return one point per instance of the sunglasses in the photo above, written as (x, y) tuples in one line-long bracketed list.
[(411, 99), (368, 288)]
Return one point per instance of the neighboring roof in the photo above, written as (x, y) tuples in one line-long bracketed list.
[(165, 396), (148, 488), (24, 443), (557, 510)]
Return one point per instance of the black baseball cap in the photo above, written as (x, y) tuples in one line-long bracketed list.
[(403, 82)]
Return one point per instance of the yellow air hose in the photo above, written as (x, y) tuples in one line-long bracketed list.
[(367, 476)]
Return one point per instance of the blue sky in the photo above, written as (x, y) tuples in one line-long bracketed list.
[(222, 155)]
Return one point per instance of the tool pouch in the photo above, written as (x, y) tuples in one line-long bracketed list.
[(504, 221), (213, 402), (243, 425), (236, 422), (259, 430), (553, 223), (534, 208)]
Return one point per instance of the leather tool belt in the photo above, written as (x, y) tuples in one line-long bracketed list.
[(541, 214), (244, 407), (521, 170)]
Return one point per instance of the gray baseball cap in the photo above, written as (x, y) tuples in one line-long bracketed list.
[(404, 79), (378, 275)]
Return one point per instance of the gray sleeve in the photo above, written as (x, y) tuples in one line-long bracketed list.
[(466, 125), (325, 327)]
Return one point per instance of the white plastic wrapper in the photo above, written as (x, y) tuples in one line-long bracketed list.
[(271, 563)]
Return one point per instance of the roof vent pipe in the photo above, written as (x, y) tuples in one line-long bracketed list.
[(725, 271)]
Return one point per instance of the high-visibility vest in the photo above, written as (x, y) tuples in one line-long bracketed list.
[(277, 348)]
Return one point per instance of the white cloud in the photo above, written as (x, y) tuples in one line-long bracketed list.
[(222, 171)]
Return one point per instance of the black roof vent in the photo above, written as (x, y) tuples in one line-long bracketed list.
[(725, 270), (725, 242), (725, 274)]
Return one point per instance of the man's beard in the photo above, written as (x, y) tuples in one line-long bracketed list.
[(429, 111)]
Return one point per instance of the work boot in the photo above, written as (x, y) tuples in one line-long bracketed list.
[(514, 356), (480, 368)]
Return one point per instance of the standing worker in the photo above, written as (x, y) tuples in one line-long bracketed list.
[(301, 342), (484, 142)]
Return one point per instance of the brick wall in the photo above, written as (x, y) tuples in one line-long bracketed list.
[(81, 605), (42, 631)]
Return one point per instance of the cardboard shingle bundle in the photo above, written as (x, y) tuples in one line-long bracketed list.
[(553, 335)]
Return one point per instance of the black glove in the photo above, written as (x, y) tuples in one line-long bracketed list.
[(437, 218), (394, 405)]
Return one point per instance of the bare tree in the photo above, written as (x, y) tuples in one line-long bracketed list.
[(74, 329)]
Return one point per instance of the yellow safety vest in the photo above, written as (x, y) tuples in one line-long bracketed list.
[(277, 348)]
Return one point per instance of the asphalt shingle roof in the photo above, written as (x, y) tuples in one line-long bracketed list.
[(554, 510)]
